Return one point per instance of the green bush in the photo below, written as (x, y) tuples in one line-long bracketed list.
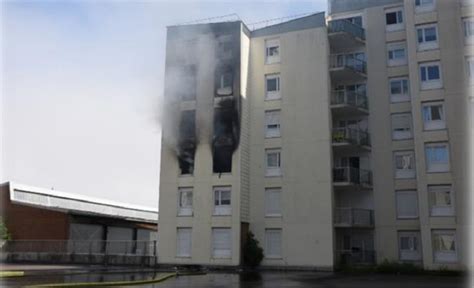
[(396, 267), (4, 235), (252, 252)]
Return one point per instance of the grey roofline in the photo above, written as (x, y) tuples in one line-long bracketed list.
[(311, 21), (340, 6)]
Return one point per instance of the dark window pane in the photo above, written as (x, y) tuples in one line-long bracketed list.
[(430, 34), (423, 73), (272, 84), (433, 72), (391, 18)]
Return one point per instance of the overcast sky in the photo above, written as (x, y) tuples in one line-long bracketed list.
[(81, 88)]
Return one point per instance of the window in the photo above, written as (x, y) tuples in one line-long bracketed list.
[(185, 201), (444, 246), (224, 82), (441, 200), (222, 201), (221, 243), (272, 87), (401, 126), (224, 46), (273, 243), (186, 88), (183, 242), (470, 68), (437, 157), (273, 164), (424, 5), (272, 124), (357, 20), (433, 116), (409, 245), (427, 37), (272, 51), (407, 204), (430, 75), (396, 54), (394, 19), (468, 24), (399, 91), (273, 202), (404, 164)]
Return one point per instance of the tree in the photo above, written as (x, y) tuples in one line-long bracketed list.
[(4, 235), (253, 253)]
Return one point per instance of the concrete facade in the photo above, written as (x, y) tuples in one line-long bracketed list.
[(329, 163)]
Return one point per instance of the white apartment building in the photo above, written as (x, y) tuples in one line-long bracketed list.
[(335, 140)]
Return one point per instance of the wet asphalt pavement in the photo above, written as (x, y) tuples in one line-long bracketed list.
[(254, 280)]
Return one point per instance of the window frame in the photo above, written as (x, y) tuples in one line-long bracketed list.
[(271, 43), (268, 208), (398, 206), (404, 173), (410, 254), (268, 252), (427, 45), (430, 125), (468, 37), (222, 254), (437, 167), (273, 95), (185, 210), (449, 257), (273, 171), (272, 132), (441, 210), (402, 97), (470, 69), (179, 253), (399, 25), (401, 135), (391, 48), (429, 84), (219, 208), (422, 8)]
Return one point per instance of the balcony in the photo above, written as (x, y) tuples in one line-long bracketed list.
[(344, 35), (345, 102), (350, 140), (353, 217), (347, 67), (351, 177)]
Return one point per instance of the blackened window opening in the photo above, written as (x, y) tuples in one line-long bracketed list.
[(187, 142), (224, 81), (225, 136)]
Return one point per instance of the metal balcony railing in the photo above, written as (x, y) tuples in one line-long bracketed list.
[(355, 256), (350, 136), (352, 98), (136, 248), (348, 61), (343, 25), (353, 217), (352, 175)]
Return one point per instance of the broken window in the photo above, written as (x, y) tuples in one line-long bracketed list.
[(225, 137), (187, 141), (224, 47), (224, 81)]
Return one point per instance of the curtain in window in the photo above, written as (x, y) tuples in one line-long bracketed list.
[(444, 242)]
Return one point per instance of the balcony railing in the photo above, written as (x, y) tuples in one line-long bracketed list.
[(352, 175), (343, 25), (348, 61), (355, 256), (351, 98), (353, 217), (350, 136)]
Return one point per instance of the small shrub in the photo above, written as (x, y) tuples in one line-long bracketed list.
[(395, 267), (253, 253), (4, 235)]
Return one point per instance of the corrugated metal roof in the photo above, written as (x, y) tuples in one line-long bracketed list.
[(79, 204)]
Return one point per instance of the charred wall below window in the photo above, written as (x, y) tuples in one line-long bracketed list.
[(187, 141)]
